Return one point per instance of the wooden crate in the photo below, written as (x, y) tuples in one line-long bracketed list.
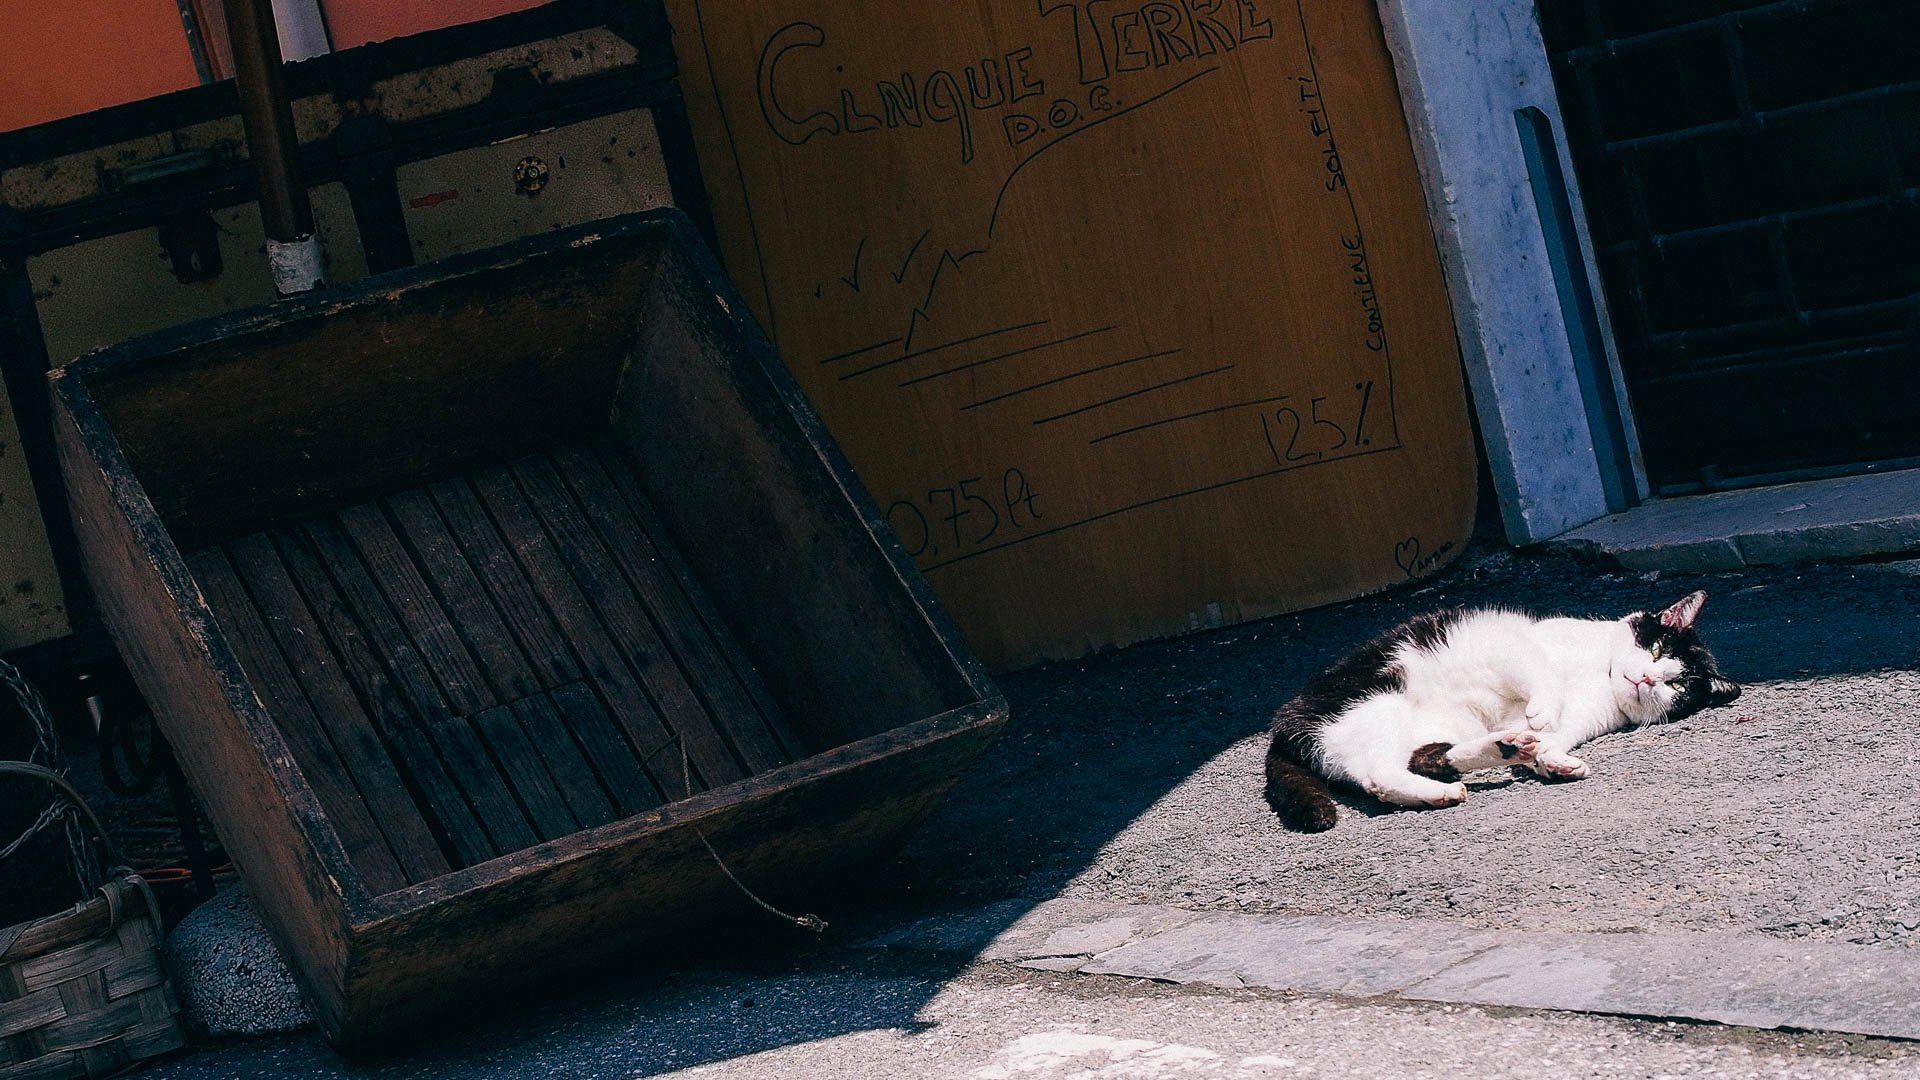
[(474, 597)]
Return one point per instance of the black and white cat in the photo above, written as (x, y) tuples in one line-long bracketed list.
[(1403, 716)]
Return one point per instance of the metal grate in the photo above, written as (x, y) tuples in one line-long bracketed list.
[(1752, 178)]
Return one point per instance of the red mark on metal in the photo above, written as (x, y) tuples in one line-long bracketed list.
[(435, 199)]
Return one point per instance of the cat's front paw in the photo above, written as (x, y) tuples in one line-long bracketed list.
[(1454, 795), (1518, 747), (1560, 767)]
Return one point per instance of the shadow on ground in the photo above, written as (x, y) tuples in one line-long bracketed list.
[(1092, 746)]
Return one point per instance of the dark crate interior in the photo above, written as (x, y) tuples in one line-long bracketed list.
[(504, 565), (1752, 178), (492, 660)]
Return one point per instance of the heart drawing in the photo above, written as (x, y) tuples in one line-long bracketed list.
[(1406, 554)]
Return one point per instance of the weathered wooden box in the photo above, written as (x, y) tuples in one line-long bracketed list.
[(474, 598)]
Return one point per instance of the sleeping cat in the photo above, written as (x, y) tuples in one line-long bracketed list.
[(1449, 692)]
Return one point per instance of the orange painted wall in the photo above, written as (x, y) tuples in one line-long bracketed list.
[(357, 22), (70, 56)]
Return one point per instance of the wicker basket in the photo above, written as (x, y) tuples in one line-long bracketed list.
[(83, 993)]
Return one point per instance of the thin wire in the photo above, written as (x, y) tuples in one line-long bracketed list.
[(59, 809), (809, 921), (80, 850)]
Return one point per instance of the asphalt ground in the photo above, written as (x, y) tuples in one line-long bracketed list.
[(1133, 776), (1791, 812)]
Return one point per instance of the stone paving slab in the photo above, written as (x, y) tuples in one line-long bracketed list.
[(1844, 518), (1314, 954), (1728, 979), (1738, 979)]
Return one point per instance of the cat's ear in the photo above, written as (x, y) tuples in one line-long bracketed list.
[(1685, 611), (1720, 691)]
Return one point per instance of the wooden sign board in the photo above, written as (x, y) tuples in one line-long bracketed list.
[(1128, 314)]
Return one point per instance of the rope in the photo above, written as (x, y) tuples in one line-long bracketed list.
[(809, 922), (80, 852)]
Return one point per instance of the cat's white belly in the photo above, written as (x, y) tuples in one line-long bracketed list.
[(1381, 731), (1482, 698)]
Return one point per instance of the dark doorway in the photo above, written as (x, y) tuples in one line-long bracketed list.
[(1752, 178)]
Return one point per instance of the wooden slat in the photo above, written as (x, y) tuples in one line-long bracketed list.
[(384, 632), (534, 624), (441, 796), (606, 748), (605, 666), (420, 610), (520, 606), (287, 703), (466, 600), (526, 772), (621, 473), (634, 630), (719, 670), (570, 769), (336, 706), (486, 788), (465, 759)]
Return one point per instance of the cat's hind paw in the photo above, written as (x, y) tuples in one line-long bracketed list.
[(1454, 795)]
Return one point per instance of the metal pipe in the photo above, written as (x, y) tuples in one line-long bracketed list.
[(292, 249), (303, 29)]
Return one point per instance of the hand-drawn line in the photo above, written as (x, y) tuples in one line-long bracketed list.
[(740, 173), (1186, 416), (920, 314), (931, 349), (862, 349), (912, 325), (1326, 115), (994, 219), (1156, 500), (947, 257), (914, 319), (902, 275), (1134, 394), (854, 281), (1064, 378), (1003, 356)]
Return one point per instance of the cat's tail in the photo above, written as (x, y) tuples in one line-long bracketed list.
[(1297, 795)]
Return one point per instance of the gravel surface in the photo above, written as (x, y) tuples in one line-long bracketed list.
[(1137, 775)]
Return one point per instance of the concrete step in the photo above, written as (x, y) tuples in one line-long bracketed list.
[(1844, 518)]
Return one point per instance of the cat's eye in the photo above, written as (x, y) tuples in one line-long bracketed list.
[(1654, 650), (1677, 684)]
